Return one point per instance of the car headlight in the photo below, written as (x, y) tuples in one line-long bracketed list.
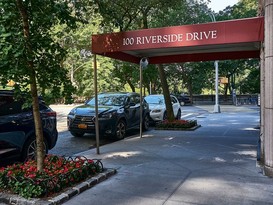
[(72, 112), (107, 115), (156, 111)]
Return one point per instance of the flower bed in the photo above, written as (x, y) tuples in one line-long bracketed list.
[(177, 125), (58, 173)]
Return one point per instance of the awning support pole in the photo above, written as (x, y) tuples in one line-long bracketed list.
[(96, 106), (140, 110)]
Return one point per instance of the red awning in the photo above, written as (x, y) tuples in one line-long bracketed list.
[(223, 40)]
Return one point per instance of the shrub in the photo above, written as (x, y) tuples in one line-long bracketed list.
[(177, 124), (58, 173)]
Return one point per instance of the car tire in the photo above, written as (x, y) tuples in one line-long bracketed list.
[(178, 116), (120, 130), (182, 103), (30, 149), (146, 123), (77, 134)]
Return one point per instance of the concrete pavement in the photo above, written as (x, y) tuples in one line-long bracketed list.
[(215, 164)]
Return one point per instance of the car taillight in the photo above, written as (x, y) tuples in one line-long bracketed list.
[(51, 114)]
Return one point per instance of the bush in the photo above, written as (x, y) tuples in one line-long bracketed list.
[(177, 124), (58, 173)]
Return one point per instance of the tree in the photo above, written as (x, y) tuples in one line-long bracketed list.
[(28, 54), (243, 9), (137, 15), (239, 68)]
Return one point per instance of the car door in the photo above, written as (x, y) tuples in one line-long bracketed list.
[(136, 101), (12, 136), (132, 110), (175, 104)]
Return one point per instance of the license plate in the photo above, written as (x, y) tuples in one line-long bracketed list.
[(82, 126)]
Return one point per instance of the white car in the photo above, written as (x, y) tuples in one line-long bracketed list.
[(158, 108)]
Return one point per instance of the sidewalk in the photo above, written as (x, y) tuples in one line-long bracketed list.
[(215, 164)]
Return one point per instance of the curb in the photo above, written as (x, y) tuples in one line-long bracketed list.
[(62, 197), (180, 129)]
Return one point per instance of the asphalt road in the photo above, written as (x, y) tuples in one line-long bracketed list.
[(68, 145)]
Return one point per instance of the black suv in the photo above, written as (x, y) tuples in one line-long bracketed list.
[(117, 112), (17, 130)]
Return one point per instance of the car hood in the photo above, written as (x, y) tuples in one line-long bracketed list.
[(90, 109), (156, 106)]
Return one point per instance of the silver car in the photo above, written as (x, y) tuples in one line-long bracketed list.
[(158, 108)]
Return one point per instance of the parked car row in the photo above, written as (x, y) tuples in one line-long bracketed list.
[(117, 113)]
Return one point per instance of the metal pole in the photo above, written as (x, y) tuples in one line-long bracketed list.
[(140, 110), (96, 106), (216, 106)]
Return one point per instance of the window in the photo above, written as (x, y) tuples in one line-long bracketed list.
[(173, 100), (8, 106), (135, 99)]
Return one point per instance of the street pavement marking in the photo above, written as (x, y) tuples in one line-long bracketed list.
[(184, 116)]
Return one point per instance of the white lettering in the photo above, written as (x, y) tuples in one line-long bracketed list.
[(189, 36), (139, 40), (159, 39), (203, 35), (165, 38), (154, 39), (128, 41), (214, 34), (170, 38), (180, 37), (147, 39), (195, 34)]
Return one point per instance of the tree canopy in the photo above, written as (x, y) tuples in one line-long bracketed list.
[(29, 55)]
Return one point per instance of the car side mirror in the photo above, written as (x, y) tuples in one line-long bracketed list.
[(130, 104)]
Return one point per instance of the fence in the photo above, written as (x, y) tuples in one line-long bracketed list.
[(226, 99)]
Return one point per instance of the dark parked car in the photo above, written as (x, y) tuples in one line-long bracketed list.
[(184, 100), (17, 130), (117, 112)]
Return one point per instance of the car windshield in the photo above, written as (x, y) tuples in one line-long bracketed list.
[(155, 99), (108, 100)]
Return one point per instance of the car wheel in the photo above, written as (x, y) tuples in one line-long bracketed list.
[(146, 123), (182, 103), (30, 149), (178, 116), (77, 134), (120, 130), (165, 116)]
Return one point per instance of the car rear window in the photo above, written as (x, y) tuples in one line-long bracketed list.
[(8, 106)]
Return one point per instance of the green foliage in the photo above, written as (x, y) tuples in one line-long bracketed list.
[(27, 189), (61, 70), (40, 51), (243, 9), (251, 83)]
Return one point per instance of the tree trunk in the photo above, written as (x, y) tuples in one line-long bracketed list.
[(33, 87), (166, 93), (190, 91), (131, 86)]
